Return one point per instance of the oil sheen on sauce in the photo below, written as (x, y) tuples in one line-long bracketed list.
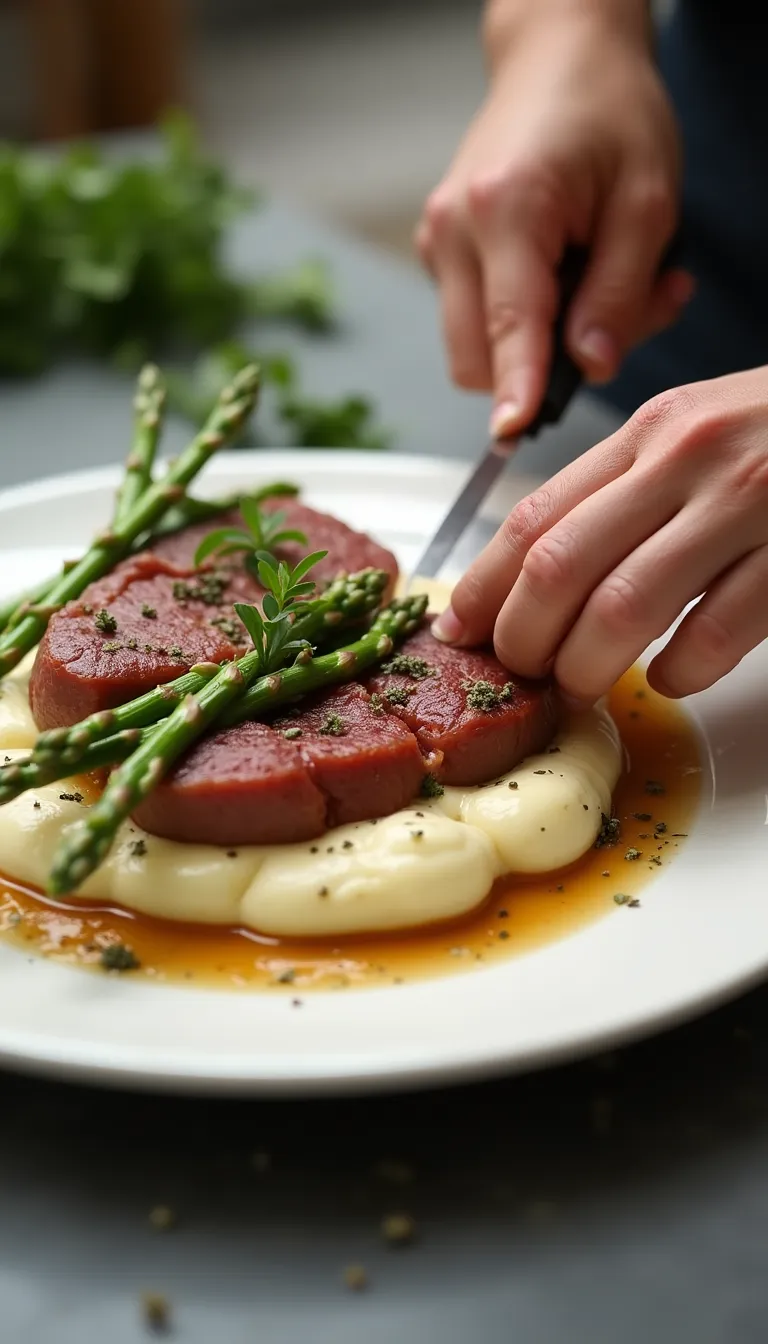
[(655, 801)]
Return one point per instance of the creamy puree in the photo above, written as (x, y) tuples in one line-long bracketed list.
[(432, 861)]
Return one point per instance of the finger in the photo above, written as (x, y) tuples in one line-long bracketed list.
[(609, 308), (641, 598), (449, 252), (520, 238), (568, 562), (463, 319), (671, 296), (729, 621), (478, 597)]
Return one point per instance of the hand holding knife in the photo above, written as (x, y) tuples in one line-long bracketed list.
[(565, 379)]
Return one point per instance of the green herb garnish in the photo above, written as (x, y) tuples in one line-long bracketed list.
[(610, 830), (398, 695), (208, 589), (231, 629), (262, 534), (484, 697), (119, 957), (271, 631), (408, 665), (431, 787), (334, 726), (105, 622)]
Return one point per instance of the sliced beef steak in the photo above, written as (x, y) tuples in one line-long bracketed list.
[(87, 662), (348, 551), (336, 760), (472, 721), (352, 753), (247, 783)]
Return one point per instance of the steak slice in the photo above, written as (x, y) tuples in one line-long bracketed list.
[(367, 763), (348, 551), (82, 668), (346, 756), (463, 744), (352, 753), (336, 760), (244, 785)]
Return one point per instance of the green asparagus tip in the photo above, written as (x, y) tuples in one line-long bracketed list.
[(149, 378)]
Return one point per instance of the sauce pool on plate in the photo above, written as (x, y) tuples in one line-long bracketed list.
[(655, 803)]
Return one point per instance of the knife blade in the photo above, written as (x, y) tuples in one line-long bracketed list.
[(564, 381)]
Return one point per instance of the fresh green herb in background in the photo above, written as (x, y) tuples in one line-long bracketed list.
[(121, 259)]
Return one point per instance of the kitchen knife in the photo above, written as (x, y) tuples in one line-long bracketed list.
[(564, 381)]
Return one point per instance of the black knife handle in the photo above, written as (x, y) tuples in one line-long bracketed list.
[(565, 376)]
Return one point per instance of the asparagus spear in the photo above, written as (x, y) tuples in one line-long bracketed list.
[(31, 773), (224, 700), (392, 625), (19, 776), (12, 611), (347, 599), (233, 407), (148, 407), (190, 510)]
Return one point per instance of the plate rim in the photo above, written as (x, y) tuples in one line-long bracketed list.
[(81, 1061)]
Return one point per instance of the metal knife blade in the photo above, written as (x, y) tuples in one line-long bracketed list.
[(464, 508), (564, 381)]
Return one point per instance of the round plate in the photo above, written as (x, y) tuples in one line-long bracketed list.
[(703, 934)]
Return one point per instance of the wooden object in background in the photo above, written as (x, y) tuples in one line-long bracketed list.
[(103, 65)]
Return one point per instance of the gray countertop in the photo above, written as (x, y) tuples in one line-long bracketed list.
[(617, 1201)]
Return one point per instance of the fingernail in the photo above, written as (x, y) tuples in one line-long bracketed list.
[(448, 627), (599, 349), (505, 420)]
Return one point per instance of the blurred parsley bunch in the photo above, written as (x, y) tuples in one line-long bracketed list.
[(122, 260)]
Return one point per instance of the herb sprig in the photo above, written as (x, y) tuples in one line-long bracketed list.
[(271, 630), (262, 534), (123, 258)]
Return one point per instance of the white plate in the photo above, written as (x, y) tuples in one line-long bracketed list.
[(703, 934)]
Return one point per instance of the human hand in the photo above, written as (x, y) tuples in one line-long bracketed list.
[(590, 569), (576, 143)]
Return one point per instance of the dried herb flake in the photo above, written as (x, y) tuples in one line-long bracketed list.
[(484, 697), (119, 957), (105, 622), (334, 726)]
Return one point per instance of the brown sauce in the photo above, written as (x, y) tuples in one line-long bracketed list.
[(662, 783)]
